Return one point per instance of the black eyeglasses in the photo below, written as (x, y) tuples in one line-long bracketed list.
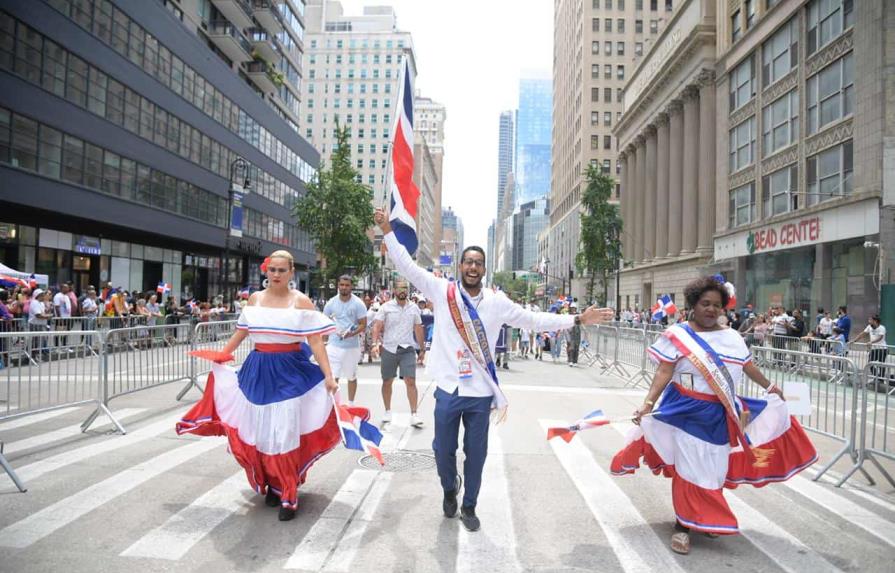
[(474, 263)]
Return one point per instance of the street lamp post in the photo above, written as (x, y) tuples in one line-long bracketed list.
[(239, 167)]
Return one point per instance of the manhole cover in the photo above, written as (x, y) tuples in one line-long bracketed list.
[(400, 462)]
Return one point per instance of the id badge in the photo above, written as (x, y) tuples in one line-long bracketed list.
[(464, 365)]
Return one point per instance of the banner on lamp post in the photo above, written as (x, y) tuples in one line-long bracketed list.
[(236, 211)]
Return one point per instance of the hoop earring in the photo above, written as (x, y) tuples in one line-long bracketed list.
[(265, 283), (291, 285)]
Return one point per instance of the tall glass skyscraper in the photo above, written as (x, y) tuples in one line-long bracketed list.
[(534, 122), (506, 151)]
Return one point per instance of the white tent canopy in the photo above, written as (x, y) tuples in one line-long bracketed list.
[(42, 280)]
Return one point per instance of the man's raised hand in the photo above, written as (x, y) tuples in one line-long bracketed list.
[(380, 217)]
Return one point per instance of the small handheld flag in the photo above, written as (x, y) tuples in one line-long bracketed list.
[(357, 432), (664, 307), (163, 288), (592, 420), (404, 195)]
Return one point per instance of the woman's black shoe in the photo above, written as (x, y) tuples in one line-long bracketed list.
[(271, 499), (286, 514)]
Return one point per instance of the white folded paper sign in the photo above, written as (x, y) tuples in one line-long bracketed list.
[(798, 398)]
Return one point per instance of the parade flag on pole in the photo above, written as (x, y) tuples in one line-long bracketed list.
[(592, 420), (357, 432), (664, 307), (403, 193), (163, 288)]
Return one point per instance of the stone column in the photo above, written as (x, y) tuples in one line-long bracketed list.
[(649, 199), (675, 170), (639, 231), (662, 205), (690, 205), (624, 201), (707, 147)]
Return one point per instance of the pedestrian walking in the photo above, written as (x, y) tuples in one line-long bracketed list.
[(398, 333), (467, 320), (573, 341), (344, 346)]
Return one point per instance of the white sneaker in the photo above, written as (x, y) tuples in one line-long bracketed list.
[(387, 417), (415, 421)]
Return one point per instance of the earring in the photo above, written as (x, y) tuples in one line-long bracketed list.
[(265, 283), (291, 285)]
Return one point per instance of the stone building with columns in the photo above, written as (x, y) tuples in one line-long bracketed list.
[(667, 152), (806, 187)]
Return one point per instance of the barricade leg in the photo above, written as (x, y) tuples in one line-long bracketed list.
[(12, 473), (102, 409)]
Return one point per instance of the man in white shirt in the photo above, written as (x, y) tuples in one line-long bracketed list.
[(344, 346), (395, 326), (63, 310), (875, 334), (466, 389)]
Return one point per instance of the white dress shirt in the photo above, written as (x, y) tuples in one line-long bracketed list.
[(398, 324), (494, 309)]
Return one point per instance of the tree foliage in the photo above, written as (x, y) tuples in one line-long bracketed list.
[(601, 227), (336, 212), (517, 288)]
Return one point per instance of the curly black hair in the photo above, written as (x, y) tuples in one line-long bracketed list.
[(696, 288)]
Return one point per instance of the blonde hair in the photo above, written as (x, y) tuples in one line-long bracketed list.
[(282, 254)]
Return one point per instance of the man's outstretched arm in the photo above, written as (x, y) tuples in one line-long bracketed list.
[(420, 277)]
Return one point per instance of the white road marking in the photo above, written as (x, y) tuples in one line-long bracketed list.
[(67, 432), (344, 553), (34, 418)]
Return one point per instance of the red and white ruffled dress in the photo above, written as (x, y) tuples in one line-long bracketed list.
[(275, 410), (690, 439)]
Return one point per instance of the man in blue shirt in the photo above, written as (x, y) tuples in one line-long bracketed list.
[(843, 323), (344, 346)]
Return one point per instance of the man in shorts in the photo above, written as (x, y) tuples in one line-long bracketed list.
[(344, 346), (396, 325)]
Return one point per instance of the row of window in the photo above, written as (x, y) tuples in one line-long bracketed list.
[(607, 117), (638, 4), (830, 97), (363, 43), (828, 175), (361, 118), (620, 25), (607, 95), (44, 63), (595, 142), (825, 20), (607, 71), (349, 103), (114, 28), (353, 59), (363, 75), (349, 88), (607, 48)]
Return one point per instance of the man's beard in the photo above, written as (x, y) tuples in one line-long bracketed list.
[(402, 296), (468, 285)]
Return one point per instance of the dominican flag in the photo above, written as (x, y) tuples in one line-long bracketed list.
[(664, 307), (403, 193), (357, 432), (163, 288), (244, 293), (592, 420)]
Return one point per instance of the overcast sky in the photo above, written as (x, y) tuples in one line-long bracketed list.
[(470, 56)]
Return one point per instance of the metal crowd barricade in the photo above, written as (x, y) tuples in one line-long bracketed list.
[(14, 346), (877, 424), (834, 383), (54, 373), (630, 356), (211, 336)]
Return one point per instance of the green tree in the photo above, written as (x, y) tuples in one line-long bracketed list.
[(516, 288), (601, 227), (336, 212)]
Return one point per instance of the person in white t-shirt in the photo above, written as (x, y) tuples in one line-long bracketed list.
[(875, 334)]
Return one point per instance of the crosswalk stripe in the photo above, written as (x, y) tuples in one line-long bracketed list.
[(187, 527), (317, 544), (639, 548), (66, 432), (34, 418), (344, 553), (39, 525), (874, 524), (35, 470), (783, 548), (493, 548)]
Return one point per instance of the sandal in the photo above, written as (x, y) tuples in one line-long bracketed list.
[(680, 543), (711, 535)]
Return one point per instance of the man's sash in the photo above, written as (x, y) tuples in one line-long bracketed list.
[(467, 322), (704, 358)]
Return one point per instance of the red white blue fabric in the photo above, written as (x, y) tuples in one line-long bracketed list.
[(592, 420), (357, 433), (664, 307), (688, 439), (403, 192), (163, 288), (275, 410)]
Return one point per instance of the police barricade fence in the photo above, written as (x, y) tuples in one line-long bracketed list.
[(861, 353), (877, 427), (597, 346)]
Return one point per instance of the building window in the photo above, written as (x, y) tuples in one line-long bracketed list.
[(608, 4), (595, 47), (607, 48), (741, 80), (780, 123), (620, 25), (620, 72), (594, 141), (653, 5), (594, 118), (595, 24), (831, 93), (620, 4), (608, 24), (780, 53), (620, 48), (829, 173), (638, 48), (742, 145), (607, 118), (607, 165), (607, 71), (741, 208), (607, 142), (638, 4), (778, 191), (595, 94), (619, 92), (653, 26), (638, 26), (736, 28), (596, 4), (826, 21), (669, 6), (607, 94)]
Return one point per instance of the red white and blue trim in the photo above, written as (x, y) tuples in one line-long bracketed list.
[(403, 193)]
